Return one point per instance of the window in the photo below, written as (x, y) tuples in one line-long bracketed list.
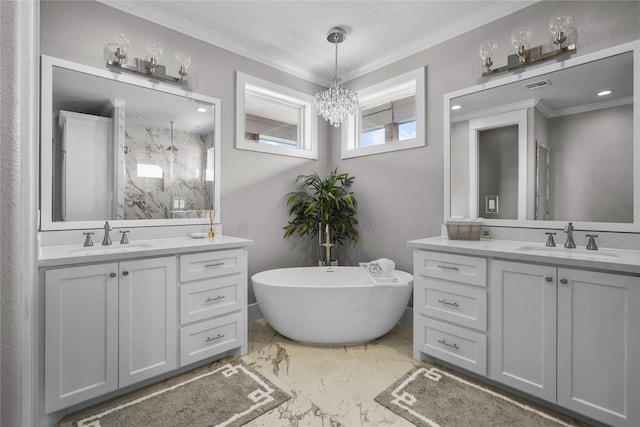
[(391, 117), (274, 119)]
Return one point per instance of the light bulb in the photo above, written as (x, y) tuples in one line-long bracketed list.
[(486, 50), (520, 38), (558, 25), (121, 40), (154, 50), (184, 61)]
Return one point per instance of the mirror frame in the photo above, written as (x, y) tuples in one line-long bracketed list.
[(46, 135), (634, 47)]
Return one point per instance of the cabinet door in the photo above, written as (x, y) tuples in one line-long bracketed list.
[(148, 327), (81, 334), (599, 345), (522, 333)]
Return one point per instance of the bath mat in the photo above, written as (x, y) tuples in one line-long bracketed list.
[(226, 395), (428, 396)]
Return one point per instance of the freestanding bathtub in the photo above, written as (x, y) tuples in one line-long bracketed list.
[(330, 305)]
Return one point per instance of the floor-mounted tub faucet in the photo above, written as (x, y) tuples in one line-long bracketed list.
[(107, 228), (570, 244)]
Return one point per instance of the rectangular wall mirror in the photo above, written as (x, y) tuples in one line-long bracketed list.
[(549, 145), (120, 148)]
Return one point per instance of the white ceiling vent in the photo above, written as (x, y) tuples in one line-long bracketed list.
[(537, 85)]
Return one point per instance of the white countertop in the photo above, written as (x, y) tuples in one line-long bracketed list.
[(54, 256), (607, 259)]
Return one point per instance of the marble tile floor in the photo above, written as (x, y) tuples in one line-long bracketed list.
[(330, 386)]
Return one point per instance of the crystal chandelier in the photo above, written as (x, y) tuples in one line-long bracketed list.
[(336, 103)]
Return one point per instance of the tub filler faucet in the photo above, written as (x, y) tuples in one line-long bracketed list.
[(107, 228), (569, 244)]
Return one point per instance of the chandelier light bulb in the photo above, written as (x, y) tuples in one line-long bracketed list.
[(154, 53)]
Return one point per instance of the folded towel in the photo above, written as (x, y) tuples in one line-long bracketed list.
[(380, 267)]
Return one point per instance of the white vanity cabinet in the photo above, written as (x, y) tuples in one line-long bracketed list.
[(213, 301), (107, 326), (450, 309), (594, 366)]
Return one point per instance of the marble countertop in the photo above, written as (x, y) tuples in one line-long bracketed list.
[(55, 256), (606, 259)]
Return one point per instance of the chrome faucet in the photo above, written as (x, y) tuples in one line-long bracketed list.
[(87, 240), (107, 228), (550, 241), (569, 244), (591, 245)]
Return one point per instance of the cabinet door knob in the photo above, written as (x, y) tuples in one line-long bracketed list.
[(564, 281), (125, 273), (549, 279), (112, 274)]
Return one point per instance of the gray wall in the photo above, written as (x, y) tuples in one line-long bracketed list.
[(399, 193)]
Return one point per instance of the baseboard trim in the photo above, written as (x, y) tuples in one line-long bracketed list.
[(254, 313)]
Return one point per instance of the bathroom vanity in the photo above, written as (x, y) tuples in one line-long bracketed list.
[(558, 324), (118, 315)]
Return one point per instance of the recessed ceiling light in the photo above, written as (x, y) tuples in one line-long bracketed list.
[(456, 107), (201, 109), (605, 92)]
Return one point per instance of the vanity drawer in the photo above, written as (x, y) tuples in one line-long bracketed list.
[(457, 268), (207, 298), (455, 303), (211, 264), (212, 337), (452, 344)]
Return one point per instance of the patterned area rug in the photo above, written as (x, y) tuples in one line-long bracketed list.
[(228, 394), (428, 396)]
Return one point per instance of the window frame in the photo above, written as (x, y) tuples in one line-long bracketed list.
[(307, 145), (404, 85)]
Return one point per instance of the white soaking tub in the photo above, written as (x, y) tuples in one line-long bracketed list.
[(330, 305)]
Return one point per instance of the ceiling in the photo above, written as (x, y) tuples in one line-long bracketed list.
[(291, 35)]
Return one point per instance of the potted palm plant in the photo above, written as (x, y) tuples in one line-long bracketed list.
[(326, 209)]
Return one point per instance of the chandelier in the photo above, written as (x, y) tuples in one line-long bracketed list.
[(336, 103)]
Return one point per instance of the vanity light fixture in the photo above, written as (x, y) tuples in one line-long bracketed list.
[(201, 110), (456, 107), (605, 92), (336, 103), (150, 66), (559, 27)]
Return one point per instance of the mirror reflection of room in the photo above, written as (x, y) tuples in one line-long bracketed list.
[(585, 171), (150, 156)]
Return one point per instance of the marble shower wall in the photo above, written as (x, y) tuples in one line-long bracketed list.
[(164, 180)]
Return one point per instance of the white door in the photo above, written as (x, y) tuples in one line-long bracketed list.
[(599, 345), (148, 328), (522, 332), (81, 334)]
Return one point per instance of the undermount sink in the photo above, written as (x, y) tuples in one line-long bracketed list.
[(568, 253), (109, 249)]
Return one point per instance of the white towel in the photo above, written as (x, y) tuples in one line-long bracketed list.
[(381, 267)]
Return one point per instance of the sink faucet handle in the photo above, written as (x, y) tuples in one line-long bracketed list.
[(87, 240), (550, 241), (591, 245), (124, 240)]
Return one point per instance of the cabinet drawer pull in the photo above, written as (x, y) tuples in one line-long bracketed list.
[(218, 298), (549, 279), (444, 342), (125, 273), (444, 301), (209, 339), (564, 281), (448, 267), (214, 264), (112, 274)]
